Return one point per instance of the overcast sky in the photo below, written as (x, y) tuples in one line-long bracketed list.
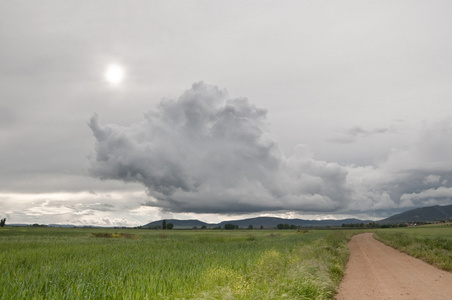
[(223, 109)]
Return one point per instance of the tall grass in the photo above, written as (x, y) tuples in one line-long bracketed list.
[(58, 263), (432, 244)]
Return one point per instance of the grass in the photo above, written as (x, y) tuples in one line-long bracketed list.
[(70, 263), (431, 243)]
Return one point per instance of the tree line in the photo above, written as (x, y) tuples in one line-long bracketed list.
[(372, 225), (227, 226)]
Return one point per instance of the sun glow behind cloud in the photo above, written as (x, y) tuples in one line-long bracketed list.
[(114, 74)]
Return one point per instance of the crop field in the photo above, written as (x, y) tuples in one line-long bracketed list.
[(88, 263), (431, 243)]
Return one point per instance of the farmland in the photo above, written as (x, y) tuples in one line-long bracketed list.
[(88, 263), (431, 243)]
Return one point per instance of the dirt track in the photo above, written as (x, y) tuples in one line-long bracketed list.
[(376, 271)]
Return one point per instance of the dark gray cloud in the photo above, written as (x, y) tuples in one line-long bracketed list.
[(351, 135), (206, 153)]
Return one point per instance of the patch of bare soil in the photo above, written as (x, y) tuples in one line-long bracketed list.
[(376, 271)]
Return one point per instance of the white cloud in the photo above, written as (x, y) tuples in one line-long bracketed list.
[(441, 195), (408, 177), (74, 208), (431, 179)]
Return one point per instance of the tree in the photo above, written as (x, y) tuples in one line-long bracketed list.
[(169, 226), (283, 226), (229, 226), (2, 222), (250, 227), (164, 224)]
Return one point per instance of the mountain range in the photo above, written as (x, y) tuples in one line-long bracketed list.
[(424, 214)]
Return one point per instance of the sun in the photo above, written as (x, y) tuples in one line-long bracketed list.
[(114, 74)]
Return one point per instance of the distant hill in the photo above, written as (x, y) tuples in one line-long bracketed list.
[(423, 214), (265, 222)]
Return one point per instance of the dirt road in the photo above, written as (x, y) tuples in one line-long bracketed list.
[(376, 271)]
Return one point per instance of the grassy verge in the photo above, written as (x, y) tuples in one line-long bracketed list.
[(61, 263), (432, 244)]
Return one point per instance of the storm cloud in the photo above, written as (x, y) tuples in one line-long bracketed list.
[(207, 153)]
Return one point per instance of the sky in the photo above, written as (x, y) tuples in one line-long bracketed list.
[(117, 113)]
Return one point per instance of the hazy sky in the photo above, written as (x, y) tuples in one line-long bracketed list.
[(223, 109)]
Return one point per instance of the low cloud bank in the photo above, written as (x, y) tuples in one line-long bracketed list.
[(207, 153)]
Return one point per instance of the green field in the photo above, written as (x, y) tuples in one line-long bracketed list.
[(70, 263), (431, 243)]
